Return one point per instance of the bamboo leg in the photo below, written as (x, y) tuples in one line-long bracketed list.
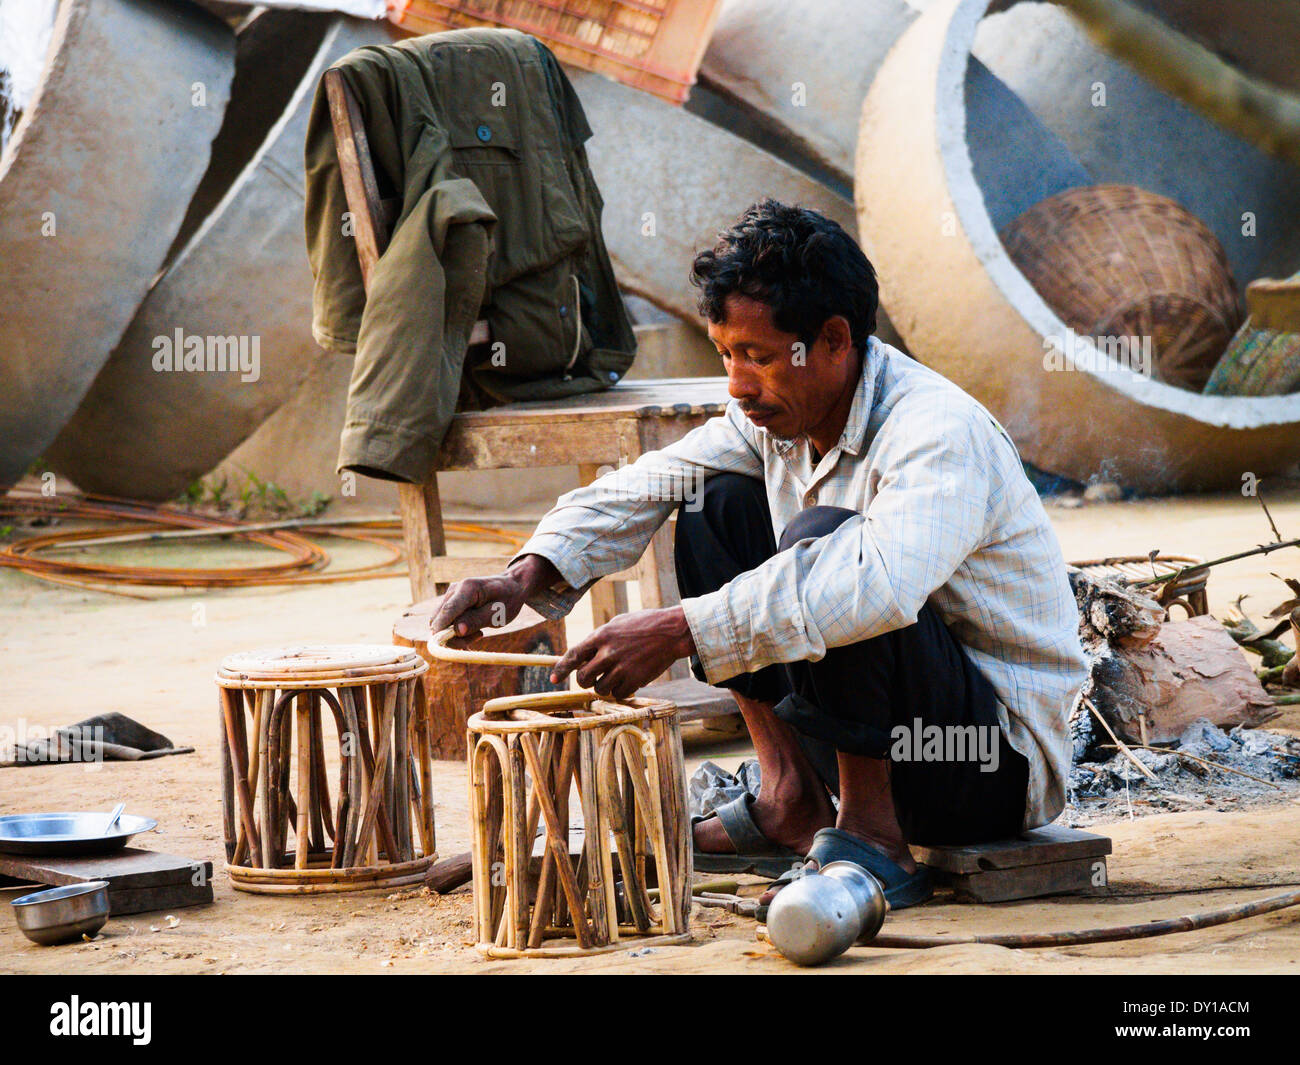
[(267, 742), (425, 732), (229, 817), (302, 843), (544, 906), (322, 815), (517, 886), (231, 712), (604, 918), (623, 826), (487, 800), (339, 831), (374, 813), (557, 839), (401, 775), (288, 808), (261, 704), (351, 700), (646, 783), (367, 847), (241, 727)]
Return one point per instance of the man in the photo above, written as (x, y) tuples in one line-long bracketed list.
[(867, 569)]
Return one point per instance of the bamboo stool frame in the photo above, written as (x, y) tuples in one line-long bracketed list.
[(625, 759), (380, 833)]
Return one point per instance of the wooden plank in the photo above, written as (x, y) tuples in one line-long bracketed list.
[(1079, 876), (139, 881), (164, 897), (129, 867), (1039, 846), (659, 398)]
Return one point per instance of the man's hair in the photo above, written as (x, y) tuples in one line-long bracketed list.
[(796, 261)]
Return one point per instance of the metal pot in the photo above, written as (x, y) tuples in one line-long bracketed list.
[(822, 914), (63, 914)]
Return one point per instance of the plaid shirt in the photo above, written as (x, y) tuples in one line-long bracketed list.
[(947, 517)]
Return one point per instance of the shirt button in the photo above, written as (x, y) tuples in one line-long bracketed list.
[(484, 133), (810, 500)]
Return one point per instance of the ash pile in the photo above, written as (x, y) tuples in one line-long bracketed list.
[(1169, 716)]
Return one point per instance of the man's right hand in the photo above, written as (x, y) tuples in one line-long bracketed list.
[(489, 602)]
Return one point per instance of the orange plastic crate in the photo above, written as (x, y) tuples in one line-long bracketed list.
[(655, 45)]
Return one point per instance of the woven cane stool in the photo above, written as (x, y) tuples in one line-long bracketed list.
[(378, 833), (578, 811)]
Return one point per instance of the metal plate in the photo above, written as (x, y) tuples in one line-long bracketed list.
[(68, 833)]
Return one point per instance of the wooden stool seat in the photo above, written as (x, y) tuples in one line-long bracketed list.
[(380, 833)]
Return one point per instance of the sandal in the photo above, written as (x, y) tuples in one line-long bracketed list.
[(753, 851)]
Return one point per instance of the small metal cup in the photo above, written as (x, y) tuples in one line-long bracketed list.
[(63, 914)]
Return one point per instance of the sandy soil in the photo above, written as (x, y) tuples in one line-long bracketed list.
[(68, 654)]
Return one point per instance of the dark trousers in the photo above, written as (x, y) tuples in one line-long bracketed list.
[(878, 697)]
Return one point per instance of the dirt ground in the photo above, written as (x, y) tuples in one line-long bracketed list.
[(67, 654)]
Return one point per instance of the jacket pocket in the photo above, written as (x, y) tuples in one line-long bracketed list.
[(504, 137)]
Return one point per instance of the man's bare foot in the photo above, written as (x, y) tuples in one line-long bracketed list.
[(789, 815)]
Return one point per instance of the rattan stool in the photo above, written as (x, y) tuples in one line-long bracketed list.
[(380, 832), (610, 872)]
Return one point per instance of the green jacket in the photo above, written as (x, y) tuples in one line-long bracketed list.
[(481, 136)]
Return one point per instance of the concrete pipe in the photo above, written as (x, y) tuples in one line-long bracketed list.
[(242, 285), (965, 310), (671, 181), (93, 186)]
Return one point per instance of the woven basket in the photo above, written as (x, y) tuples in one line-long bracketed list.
[(1117, 261), (655, 45)]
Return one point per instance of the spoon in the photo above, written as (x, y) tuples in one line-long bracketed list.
[(112, 818)]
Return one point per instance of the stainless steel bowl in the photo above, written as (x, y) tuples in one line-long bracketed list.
[(68, 833), (63, 914)]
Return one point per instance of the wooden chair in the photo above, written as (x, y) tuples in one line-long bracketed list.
[(589, 431)]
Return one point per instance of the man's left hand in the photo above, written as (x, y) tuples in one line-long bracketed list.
[(628, 652)]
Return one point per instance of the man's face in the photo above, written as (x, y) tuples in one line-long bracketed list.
[(780, 386)]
